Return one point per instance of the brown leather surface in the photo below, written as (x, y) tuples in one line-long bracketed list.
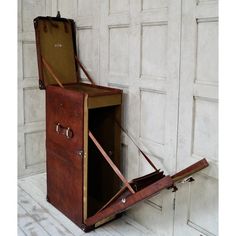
[(64, 164), (190, 170), (65, 184), (65, 107)]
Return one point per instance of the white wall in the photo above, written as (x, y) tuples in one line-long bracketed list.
[(164, 55)]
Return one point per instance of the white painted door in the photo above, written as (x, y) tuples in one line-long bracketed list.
[(197, 203), (31, 100), (31, 115), (140, 53), (87, 23)]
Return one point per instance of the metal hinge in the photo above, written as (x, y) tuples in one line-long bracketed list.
[(174, 204)]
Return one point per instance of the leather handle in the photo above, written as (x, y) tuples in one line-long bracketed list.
[(67, 131)]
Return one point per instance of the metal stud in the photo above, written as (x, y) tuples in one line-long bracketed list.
[(123, 200)]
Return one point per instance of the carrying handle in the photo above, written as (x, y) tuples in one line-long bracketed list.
[(68, 132)]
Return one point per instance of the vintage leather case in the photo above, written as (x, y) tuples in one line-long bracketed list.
[(80, 182)]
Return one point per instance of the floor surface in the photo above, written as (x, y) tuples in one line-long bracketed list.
[(36, 217)]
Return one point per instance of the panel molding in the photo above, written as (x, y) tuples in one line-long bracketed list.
[(22, 15), (154, 205), (84, 55), (148, 91), (28, 89), (110, 12), (142, 74), (195, 99), (200, 21), (153, 8), (117, 27), (190, 222), (199, 228), (196, 202), (28, 80), (24, 44), (42, 162)]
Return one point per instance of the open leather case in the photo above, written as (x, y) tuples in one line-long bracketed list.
[(83, 136)]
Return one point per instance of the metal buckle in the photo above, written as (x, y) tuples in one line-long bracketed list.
[(68, 132), (58, 128)]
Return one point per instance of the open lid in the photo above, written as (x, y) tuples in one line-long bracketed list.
[(56, 46)]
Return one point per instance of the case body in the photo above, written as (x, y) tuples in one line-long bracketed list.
[(80, 182)]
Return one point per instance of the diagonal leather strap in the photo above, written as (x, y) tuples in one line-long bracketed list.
[(110, 162), (145, 156), (49, 69), (84, 70)]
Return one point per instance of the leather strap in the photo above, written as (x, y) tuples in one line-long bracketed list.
[(84, 70), (144, 155), (110, 162), (49, 69)]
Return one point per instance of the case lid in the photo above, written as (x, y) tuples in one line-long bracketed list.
[(56, 45)]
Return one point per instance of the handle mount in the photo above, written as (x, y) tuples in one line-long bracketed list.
[(67, 131)]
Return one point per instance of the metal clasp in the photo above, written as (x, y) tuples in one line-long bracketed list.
[(68, 132), (58, 128)]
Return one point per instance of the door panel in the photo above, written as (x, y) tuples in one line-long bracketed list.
[(31, 102), (197, 202)]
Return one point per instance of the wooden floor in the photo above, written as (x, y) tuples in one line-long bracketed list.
[(36, 217)]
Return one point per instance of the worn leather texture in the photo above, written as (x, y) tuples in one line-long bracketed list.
[(64, 106), (64, 163)]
